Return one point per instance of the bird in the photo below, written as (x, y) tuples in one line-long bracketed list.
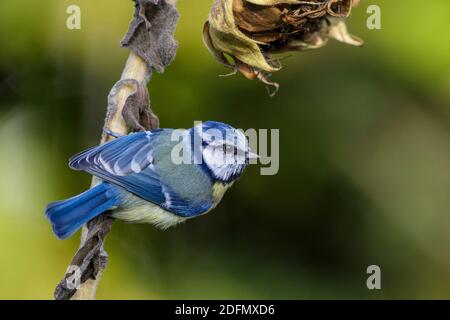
[(162, 177)]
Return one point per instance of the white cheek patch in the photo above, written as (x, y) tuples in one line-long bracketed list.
[(241, 157), (210, 157), (227, 157), (223, 173), (221, 164), (216, 157), (216, 143)]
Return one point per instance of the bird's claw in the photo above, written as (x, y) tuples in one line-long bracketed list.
[(110, 133)]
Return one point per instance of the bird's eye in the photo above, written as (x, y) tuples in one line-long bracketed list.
[(228, 149)]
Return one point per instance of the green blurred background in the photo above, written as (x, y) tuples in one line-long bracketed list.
[(364, 159)]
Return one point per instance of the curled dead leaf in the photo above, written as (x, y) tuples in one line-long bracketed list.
[(244, 34)]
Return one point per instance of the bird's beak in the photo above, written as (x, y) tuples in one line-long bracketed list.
[(252, 155)]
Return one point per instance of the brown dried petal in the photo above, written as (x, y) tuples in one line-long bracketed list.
[(226, 37), (249, 31), (338, 31), (255, 18), (273, 2)]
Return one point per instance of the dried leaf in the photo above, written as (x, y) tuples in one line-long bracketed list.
[(154, 23), (250, 31), (89, 260), (227, 38), (273, 2), (136, 112), (338, 31), (255, 18)]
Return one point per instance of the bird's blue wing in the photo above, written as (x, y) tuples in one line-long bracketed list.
[(141, 164), (122, 156), (118, 160)]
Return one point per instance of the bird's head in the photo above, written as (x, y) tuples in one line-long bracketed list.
[(225, 150)]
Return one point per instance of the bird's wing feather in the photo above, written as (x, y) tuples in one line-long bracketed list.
[(121, 156), (141, 163)]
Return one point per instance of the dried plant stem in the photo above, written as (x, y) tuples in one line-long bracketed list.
[(136, 69), (128, 108)]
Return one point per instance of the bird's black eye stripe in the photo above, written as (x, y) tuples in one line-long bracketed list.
[(229, 149)]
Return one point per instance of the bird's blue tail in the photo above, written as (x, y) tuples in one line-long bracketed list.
[(69, 215)]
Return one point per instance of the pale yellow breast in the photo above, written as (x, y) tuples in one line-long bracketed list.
[(219, 190)]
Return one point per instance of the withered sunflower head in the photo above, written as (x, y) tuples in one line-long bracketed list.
[(244, 34)]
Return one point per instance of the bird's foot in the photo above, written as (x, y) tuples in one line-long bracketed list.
[(110, 133)]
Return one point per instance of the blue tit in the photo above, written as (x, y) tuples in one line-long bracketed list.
[(162, 177)]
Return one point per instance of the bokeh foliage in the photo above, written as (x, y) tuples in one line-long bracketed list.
[(364, 175)]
